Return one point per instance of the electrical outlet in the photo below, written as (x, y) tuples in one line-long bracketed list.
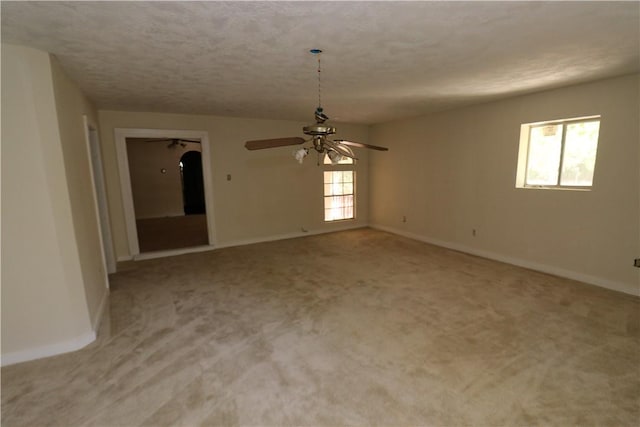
[(636, 262), (404, 218)]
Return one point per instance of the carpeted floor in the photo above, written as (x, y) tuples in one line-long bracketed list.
[(352, 328)]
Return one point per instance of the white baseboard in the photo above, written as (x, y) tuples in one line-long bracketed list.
[(172, 252), (556, 271), (48, 350), (61, 347), (285, 236), (241, 242)]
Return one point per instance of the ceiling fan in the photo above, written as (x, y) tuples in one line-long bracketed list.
[(174, 142), (319, 136)]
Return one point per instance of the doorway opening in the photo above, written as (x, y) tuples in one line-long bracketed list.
[(100, 197), (192, 183), (166, 187)]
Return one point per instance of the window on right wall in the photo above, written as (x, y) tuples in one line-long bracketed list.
[(558, 154)]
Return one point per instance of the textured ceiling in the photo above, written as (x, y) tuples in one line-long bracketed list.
[(382, 60)]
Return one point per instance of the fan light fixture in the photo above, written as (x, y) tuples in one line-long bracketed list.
[(335, 157), (318, 132), (300, 154)]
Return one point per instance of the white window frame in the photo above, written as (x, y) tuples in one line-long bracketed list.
[(340, 167), (523, 154)]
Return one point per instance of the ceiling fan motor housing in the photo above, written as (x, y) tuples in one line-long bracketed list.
[(318, 130)]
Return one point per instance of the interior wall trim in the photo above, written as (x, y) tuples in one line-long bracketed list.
[(275, 237), (98, 194), (101, 310), (48, 350), (240, 242), (543, 268), (120, 137), (171, 252)]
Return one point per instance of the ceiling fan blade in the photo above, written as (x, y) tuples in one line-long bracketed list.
[(259, 144), (340, 149), (361, 145)]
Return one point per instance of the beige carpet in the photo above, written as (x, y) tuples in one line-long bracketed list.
[(352, 328)]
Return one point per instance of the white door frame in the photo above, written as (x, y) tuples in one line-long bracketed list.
[(121, 135), (98, 190)]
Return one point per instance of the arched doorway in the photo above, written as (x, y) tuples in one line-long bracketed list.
[(192, 183)]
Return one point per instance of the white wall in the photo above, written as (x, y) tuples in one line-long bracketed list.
[(156, 194), (455, 171), (71, 106), (44, 304), (269, 195)]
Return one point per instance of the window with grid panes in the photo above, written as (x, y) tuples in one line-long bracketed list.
[(339, 191), (558, 154)]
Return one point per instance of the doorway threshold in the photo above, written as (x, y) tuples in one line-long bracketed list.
[(172, 252)]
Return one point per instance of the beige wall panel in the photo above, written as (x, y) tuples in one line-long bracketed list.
[(269, 194), (71, 106), (452, 172), (44, 307)]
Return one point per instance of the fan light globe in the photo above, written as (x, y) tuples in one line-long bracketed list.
[(334, 156), (300, 154)]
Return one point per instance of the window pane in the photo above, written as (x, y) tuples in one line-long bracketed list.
[(338, 182), (328, 177), (328, 202), (545, 143), (338, 192), (329, 215), (580, 146), (338, 207), (348, 212)]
